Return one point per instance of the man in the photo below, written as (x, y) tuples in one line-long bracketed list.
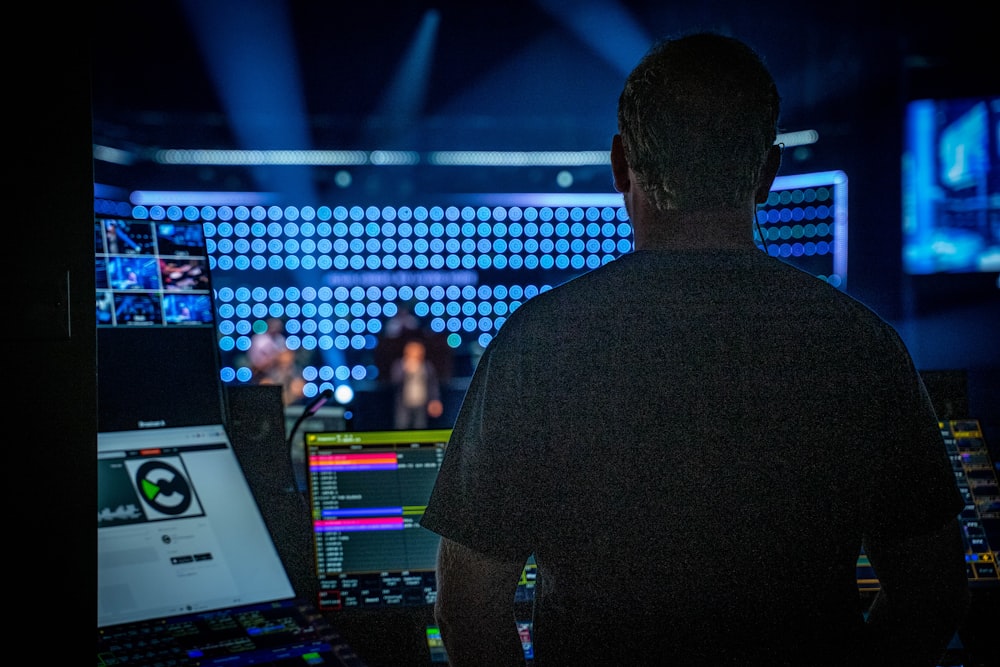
[(696, 440), (416, 388)]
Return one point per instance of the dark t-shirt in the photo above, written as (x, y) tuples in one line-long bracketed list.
[(693, 445)]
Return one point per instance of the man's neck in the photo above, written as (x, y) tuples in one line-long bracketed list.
[(715, 229)]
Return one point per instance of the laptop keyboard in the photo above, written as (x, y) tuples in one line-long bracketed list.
[(259, 635)]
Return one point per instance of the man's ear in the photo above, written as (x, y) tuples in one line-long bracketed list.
[(768, 173), (619, 165)]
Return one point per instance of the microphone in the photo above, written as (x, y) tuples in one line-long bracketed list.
[(310, 409), (318, 402)]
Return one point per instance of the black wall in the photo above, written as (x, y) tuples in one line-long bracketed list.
[(49, 336)]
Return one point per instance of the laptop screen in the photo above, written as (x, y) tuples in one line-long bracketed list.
[(178, 529)]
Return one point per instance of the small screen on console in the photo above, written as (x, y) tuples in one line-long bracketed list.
[(367, 492)]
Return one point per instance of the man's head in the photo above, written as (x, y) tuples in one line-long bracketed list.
[(414, 349), (698, 119)]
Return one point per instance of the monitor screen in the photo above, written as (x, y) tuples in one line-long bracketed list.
[(151, 274), (367, 492), (951, 184), (158, 363)]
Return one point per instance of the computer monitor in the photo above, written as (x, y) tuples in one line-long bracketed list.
[(367, 493), (157, 358), (951, 174)]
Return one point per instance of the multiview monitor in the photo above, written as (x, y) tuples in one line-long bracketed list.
[(158, 364)]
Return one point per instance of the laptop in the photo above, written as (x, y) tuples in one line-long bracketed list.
[(188, 573)]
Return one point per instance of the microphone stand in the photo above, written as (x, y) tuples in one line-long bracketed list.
[(310, 409)]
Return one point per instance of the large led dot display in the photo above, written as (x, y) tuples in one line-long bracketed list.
[(336, 275)]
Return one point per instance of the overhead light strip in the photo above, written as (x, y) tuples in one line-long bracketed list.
[(380, 158)]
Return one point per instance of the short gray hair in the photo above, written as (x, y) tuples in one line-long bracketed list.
[(697, 117)]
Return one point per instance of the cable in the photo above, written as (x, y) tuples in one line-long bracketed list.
[(760, 234)]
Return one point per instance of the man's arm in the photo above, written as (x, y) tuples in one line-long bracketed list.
[(475, 607), (923, 598)]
